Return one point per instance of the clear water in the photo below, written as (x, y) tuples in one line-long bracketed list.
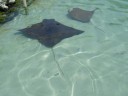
[(94, 63)]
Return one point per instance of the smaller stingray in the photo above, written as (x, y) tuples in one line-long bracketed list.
[(81, 15), (49, 32)]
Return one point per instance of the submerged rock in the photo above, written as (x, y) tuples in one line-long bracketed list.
[(11, 1), (8, 9), (4, 4)]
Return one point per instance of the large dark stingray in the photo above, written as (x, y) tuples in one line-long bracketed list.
[(50, 32), (80, 14)]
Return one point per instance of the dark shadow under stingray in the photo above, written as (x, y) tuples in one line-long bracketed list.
[(49, 33)]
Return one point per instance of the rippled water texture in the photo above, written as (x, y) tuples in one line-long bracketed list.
[(94, 63)]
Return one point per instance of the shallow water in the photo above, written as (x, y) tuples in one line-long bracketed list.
[(94, 63)]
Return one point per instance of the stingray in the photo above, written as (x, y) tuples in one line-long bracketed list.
[(49, 32), (81, 15)]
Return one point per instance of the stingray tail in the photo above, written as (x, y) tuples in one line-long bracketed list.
[(97, 27), (58, 65), (60, 70)]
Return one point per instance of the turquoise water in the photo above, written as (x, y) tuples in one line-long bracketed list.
[(94, 63)]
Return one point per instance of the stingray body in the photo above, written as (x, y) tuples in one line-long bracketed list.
[(81, 15), (49, 32)]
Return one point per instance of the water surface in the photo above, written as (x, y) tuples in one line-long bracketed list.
[(94, 63)]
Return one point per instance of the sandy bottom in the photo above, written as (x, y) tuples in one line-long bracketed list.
[(94, 63)]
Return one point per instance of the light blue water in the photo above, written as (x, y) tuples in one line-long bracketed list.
[(94, 63)]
